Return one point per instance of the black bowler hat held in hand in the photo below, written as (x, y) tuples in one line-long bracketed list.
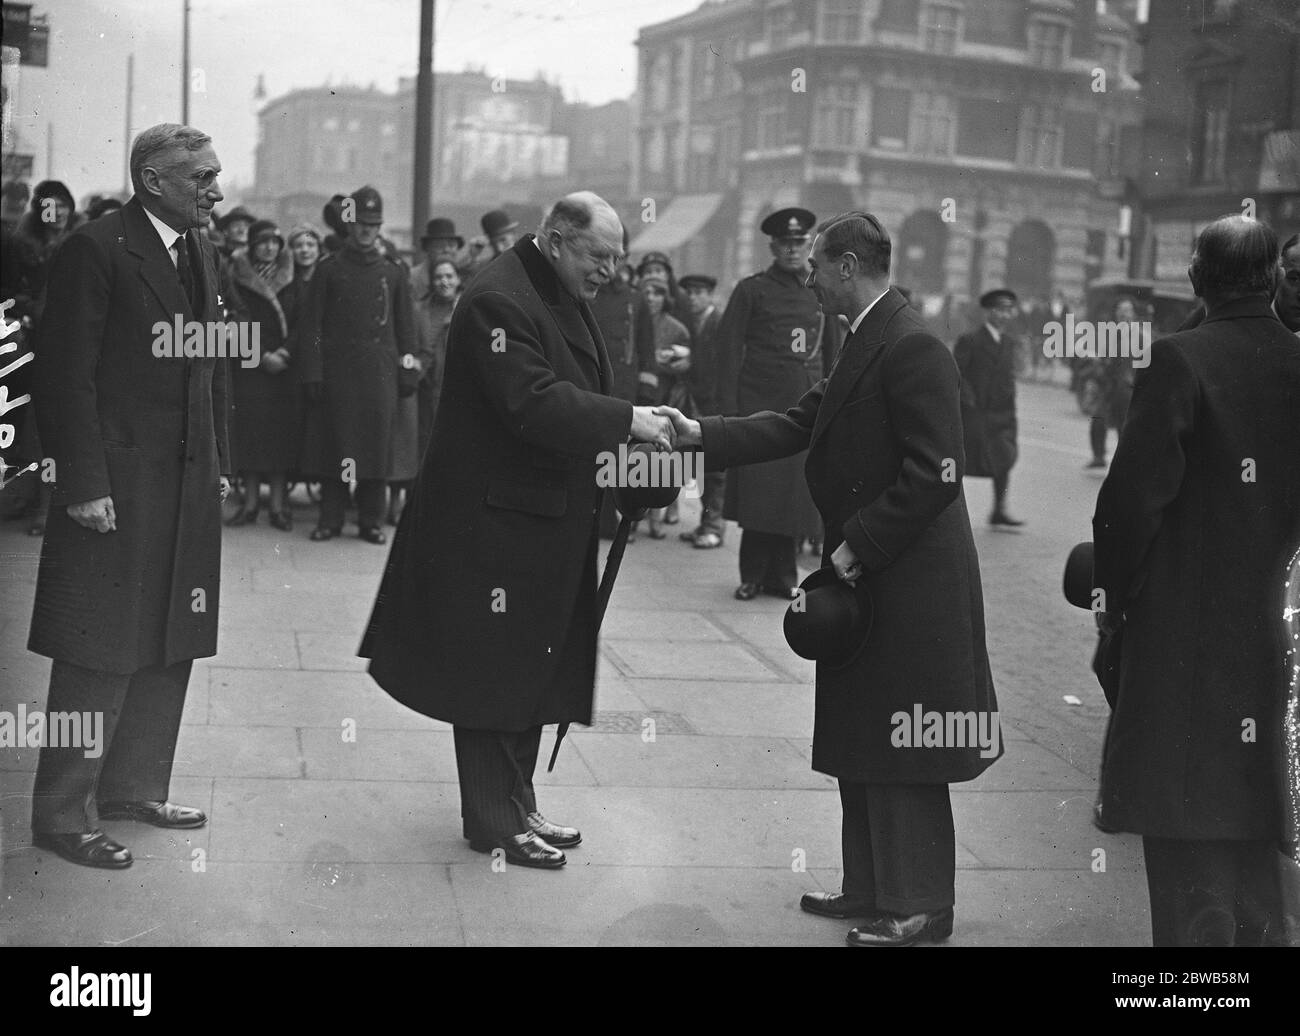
[(1078, 576), (830, 621)]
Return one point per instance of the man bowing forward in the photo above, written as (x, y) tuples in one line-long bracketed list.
[(486, 614), (884, 439)]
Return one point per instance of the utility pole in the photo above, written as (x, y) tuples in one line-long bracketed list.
[(185, 62), (423, 124), (126, 135)]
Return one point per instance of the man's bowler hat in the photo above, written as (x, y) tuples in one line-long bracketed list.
[(1078, 584), (441, 227), (234, 215), (994, 298), (829, 621), (636, 500), (698, 280), (496, 222)]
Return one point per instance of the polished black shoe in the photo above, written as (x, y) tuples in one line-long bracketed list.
[(92, 849), (746, 591), (893, 930), (1096, 462), (320, 534), (786, 593), (999, 518), (837, 904), (1100, 822), (527, 850), (375, 536), (243, 517), (160, 814), (554, 835), (282, 520)]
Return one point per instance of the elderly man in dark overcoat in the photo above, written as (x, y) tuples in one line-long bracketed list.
[(884, 441), (357, 327), (486, 614), (773, 344), (987, 360), (1194, 527), (128, 585)]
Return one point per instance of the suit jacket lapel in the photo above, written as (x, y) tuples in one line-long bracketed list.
[(156, 268), (858, 352)]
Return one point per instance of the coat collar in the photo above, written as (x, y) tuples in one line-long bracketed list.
[(858, 352), (156, 269), (572, 316), (1251, 306)]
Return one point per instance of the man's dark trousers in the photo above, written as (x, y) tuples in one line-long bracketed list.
[(768, 559), (371, 502), (496, 780), (1214, 893), (899, 846), (142, 718)]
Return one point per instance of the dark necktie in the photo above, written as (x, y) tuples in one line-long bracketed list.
[(183, 268)]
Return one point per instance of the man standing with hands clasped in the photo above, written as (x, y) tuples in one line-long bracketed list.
[(884, 440)]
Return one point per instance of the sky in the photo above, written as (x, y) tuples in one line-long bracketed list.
[(586, 46)]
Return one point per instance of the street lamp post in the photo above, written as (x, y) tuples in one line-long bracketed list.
[(423, 124)]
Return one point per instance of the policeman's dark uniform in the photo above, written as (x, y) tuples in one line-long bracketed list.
[(773, 344), (357, 324)]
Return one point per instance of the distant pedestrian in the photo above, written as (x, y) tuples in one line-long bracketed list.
[(986, 359), (702, 319), (1107, 388), (434, 293), (672, 352)]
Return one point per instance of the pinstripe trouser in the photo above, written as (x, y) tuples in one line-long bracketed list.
[(496, 780)]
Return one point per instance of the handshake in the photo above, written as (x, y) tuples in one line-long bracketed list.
[(664, 426)]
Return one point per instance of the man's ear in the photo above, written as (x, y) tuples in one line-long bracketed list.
[(152, 182)]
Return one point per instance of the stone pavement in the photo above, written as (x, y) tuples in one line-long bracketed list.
[(699, 836)]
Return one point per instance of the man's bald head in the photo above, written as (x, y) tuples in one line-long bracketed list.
[(1234, 257), (582, 237)]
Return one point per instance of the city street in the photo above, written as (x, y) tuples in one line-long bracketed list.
[(701, 818)]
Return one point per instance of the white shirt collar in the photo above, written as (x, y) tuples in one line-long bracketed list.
[(997, 335), (853, 327), (165, 232)]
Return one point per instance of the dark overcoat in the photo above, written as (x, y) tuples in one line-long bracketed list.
[(1195, 524), (884, 465), (265, 412), (702, 378), (356, 324), (764, 365), (988, 401), (150, 432), (485, 616)]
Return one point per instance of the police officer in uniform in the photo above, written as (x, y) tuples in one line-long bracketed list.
[(357, 327), (773, 344)]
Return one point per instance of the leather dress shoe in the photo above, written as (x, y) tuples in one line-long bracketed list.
[(893, 930), (837, 904), (786, 593), (160, 814), (554, 835), (320, 534), (375, 536), (527, 850), (746, 591), (282, 520), (999, 518), (92, 849)]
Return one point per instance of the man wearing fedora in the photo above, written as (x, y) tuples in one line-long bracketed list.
[(499, 234), (486, 617), (986, 359), (884, 439), (1194, 527), (773, 344)]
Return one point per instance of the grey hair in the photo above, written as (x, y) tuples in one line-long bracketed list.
[(156, 146), (574, 214)]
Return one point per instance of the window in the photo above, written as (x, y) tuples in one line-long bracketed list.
[(931, 125), (1210, 131), (998, 22), (890, 110), (770, 124), (939, 27), (898, 15), (1110, 142), (354, 125), (986, 128), (1046, 44), (841, 21), (330, 125), (1110, 56), (388, 130), (835, 122), (660, 84), (1040, 138), (1079, 150), (779, 23), (708, 65), (729, 146)]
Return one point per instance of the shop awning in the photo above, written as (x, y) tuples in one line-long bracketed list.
[(685, 217)]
